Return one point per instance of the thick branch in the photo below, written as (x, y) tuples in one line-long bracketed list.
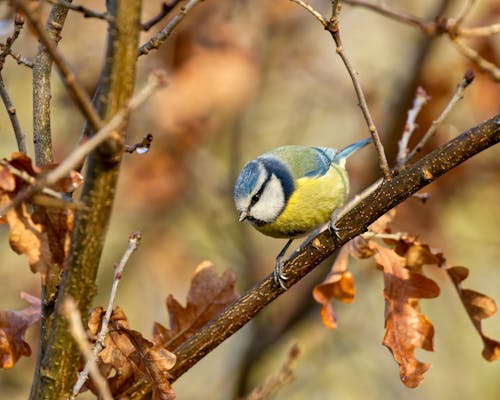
[(42, 139), (389, 194), (61, 358)]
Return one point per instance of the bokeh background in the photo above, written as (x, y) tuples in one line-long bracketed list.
[(246, 76)]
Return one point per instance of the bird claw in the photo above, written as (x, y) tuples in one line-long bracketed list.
[(278, 275), (331, 224)]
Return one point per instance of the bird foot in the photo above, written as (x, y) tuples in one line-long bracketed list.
[(331, 224), (279, 277)]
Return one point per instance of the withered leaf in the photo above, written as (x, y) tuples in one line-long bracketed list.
[(406, 327), (479, 307), (27, 237), (127, 355), (13, 325), (7, 180), (57, 223), (338, 284), (208, 295), (22, 162), (154, 362), (418, 254)]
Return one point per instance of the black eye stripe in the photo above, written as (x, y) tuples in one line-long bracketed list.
[(256, 197), (281, 172)]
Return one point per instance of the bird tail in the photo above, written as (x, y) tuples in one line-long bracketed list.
[(341, 157)]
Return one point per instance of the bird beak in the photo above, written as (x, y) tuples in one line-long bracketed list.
[(243, 215)]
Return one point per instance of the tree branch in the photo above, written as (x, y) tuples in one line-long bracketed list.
[(162, 35), (90, 226), (48, 41), (389, 194)]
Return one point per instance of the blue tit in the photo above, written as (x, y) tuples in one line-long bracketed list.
[(292, 190)]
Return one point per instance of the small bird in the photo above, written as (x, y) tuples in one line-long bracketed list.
[(292, 190)]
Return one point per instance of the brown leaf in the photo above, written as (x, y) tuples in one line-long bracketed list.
[(13, 325), (7, 180), (338, 284), (57, 224), (208, 295), (127, 356), (406, 327), (154, 362), (418, 254), (22, 162), (479, 307), (27, 237)]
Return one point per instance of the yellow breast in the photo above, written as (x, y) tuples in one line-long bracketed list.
[(310, 205)]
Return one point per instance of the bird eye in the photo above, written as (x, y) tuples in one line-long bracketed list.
[(255, 198)]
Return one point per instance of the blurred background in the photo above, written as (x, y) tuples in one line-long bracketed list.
[(246, 76)]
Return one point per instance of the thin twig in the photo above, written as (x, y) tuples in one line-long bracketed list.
[(474, 56), (479, 31), (162, 35), (165, 10), (332, 27), (401, 16), (6, 47), (322, 20), (14, 121), (9, 106), (275, 382), (420, 99), (68, 77), (469, 4), (87, 12), (21, 60), (23, 175), (133, 243), (441, 25), (457, 96), (155, 80), (74, 318)]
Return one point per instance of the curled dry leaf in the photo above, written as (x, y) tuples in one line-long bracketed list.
[(208, 295), (27, 237), (406, 328), (338, 284), (127, 356), (13, 325), (57, 224), (43, 236), (479, 307)]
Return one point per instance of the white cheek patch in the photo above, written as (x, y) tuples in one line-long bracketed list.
[(243, 203), (271, 202)]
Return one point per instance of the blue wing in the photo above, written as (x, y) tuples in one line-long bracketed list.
[(304, 161)]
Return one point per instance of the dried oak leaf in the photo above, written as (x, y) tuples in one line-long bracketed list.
[(7, 180), (27, 237), (406, 328), (479, 307), (127, 355), (338, 284), (57, 223), (114, 364), (13, 325), (22, 162), (208, 295)]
